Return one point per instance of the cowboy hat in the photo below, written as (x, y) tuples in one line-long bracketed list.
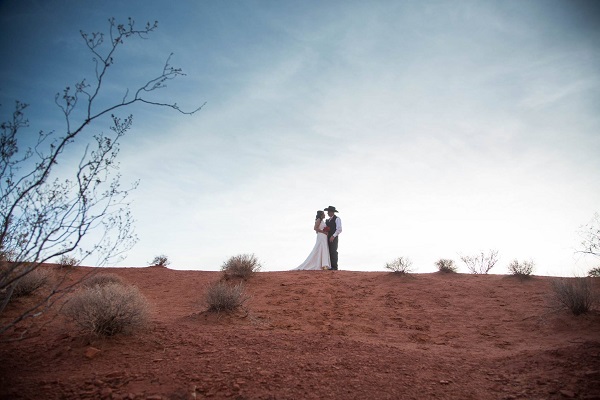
[(331, 208)]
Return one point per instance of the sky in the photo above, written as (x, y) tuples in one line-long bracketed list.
[(436, 128)]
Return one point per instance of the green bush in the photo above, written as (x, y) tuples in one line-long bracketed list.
[(594, 272)]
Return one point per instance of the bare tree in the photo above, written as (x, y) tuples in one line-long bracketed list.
[(481, 263), (43, 216), (590, 234)]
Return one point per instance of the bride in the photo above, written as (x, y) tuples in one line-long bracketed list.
[(319, 256)]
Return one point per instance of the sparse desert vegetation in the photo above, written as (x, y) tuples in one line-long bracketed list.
[(107, 310), (401, 265), (224, 297), (594, 272), (481, 263), (7, 255), (577, 295), (445, 265), (67, 261), (521, 269), (469, 335), (590, 235), (241, 266), (160, 261), (102, 279), (30, 280)]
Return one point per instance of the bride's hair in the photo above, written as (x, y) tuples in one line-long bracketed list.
[(320, 215)]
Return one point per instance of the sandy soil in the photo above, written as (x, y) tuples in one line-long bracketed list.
[(321, 334)]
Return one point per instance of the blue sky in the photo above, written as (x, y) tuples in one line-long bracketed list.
[(437, 128)]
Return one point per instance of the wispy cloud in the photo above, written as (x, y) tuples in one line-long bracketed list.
[(435, 128)]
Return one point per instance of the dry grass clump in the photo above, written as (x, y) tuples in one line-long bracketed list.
[(575, 294), (481, 263), (445, 265), (222, 297), (521, 269), (33, 280), (160, 261), (241, 266), (401, 265), (108, 310), (103, 280)]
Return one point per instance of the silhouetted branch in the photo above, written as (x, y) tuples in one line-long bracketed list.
[(44, 217), (590, 234)]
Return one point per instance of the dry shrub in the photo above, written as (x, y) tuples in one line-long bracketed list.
[(445, 265), (31, 281), (67, 261), (8, 255), (103, 280), (108, 310), (521, 269), (594, 272), (241, 266), (576, 294), (160, 261), (401, 265), (481, 263), (221, 296)]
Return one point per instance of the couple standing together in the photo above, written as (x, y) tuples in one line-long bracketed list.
[(324, 255)]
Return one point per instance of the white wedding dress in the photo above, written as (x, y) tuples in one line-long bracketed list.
[(319, 256)]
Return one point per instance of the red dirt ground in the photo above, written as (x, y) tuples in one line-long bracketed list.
[(321, 334)]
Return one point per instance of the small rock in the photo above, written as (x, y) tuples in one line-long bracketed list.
[(106, 392), (568, 394), (443, 382), (91, 352), (62, 337)]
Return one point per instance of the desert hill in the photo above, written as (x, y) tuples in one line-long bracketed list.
[(317, 335)]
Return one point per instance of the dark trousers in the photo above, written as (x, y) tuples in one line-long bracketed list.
[(333, 253)]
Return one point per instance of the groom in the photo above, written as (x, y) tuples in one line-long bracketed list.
[(335, 228)]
